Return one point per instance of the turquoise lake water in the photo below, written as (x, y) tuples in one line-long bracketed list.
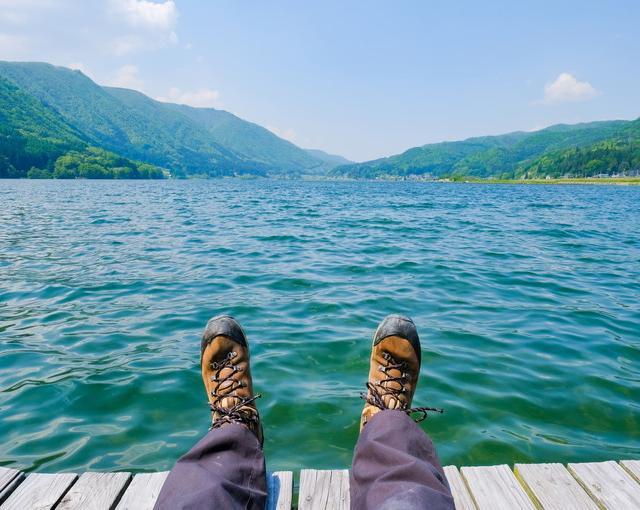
[(527, 300)]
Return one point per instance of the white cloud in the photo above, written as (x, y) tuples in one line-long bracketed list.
[(79, 66), (67, 30), (127, 77), (287, 134), (146, 14), (567, 88), (201, 98), (127, 44), (153, 24)]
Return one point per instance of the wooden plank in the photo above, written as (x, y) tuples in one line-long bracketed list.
[(552, 487), (95, 491), (307, 495), (632, 467), (142, 491), (609, 484), (9, 480), (345, 493), (41, 491), (496, 488), (4, 493), (7, 475), (280, 490), (324, 490), (461, 496)]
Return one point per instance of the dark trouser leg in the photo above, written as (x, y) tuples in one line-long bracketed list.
[(225, 469), (395, 466)]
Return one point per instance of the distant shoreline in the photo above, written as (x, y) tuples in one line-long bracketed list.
[(617, 181), (602, 181)]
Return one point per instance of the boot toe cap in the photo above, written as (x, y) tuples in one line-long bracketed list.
[(223, 325), (398, 325)]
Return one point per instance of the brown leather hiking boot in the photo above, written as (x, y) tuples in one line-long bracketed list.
[(226, 373), (394, 369)]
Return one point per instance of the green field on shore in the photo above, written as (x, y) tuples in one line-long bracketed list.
[(622, 181)]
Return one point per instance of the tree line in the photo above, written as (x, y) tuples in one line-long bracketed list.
[(89, 163)]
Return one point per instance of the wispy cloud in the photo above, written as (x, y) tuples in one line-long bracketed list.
[(566, 88), (79, 66), (150, 25), (201, 98), (130, 43), (151, 15), (127, 77), (287, 134), (49, 29)]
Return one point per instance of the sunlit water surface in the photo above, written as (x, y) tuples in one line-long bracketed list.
[(527, 300)]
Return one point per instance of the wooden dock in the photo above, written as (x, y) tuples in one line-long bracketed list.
[(585, 486)]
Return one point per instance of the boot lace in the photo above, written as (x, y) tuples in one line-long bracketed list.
[(237, 413), (378, 391)]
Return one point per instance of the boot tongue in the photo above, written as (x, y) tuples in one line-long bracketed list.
[(394, 403), (395, 399), (388, 390), (229, 401)]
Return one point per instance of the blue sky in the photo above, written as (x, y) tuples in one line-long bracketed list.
[(361, 78)]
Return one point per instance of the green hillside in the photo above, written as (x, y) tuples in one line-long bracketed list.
[(144, 131), (507, 156), (610, 157), (184, 140), (332, 160), (95, 163), (48, 112), (30, 134), (251, 141), (37, 142)]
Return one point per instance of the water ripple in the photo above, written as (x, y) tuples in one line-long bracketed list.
[(527, 300)]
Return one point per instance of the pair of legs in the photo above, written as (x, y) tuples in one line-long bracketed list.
[(395, 465)]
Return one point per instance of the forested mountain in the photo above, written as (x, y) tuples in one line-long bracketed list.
[(37, 142), (79, 113), (48, 113), (332, 160), (609, 157), (580, 148), (30, 133), (250, 140)]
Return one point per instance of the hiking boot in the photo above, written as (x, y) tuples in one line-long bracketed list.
[(224, 362), (394, 369)]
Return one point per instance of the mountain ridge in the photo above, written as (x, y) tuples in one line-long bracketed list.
[(47, 112), (512, 155), (183, 139), (335, 159)]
